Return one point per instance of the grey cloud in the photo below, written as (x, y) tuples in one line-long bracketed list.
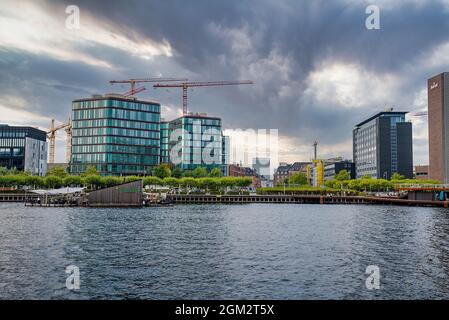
[(304, 33)]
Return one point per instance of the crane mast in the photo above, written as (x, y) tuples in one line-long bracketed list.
[(51, 134)]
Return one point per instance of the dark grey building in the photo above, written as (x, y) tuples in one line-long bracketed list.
[(332, 169), (23, 148), (382, 146)]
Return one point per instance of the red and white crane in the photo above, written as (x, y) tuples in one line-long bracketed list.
[(187, 85)]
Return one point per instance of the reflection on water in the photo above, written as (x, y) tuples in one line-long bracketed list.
[(258, 251)]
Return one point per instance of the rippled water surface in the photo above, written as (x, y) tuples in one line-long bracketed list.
[(257, 251)]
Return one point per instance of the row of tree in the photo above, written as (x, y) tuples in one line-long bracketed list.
[(342, 180), (58, 177), (165, 170), (375, 185)]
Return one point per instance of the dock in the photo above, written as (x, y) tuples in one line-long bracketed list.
[(302, 199), (32, 200)]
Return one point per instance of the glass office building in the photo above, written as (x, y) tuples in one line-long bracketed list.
[(196, 140), (165, 135), (117, 135), (382, 146), (23, 148)]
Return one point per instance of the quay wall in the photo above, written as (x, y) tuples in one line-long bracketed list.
[(242, 199)]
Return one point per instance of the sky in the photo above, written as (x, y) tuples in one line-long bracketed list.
[(317, 69)]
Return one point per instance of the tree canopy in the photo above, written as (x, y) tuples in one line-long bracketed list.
[(162, 171), (298, 179), (342, 175)]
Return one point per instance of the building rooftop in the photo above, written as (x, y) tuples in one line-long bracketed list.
[(30, 131), (115, 96), (196, 116), (379, 114), (297, 166)]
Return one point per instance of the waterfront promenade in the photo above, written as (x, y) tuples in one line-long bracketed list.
[(246, 199)]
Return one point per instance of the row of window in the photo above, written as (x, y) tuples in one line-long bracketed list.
[(12, 152), (12, 134), (88, 132), (115, 148), (117, 104), (196, 137), (6, 142), (80, 124), (112, 169), (114, 140), (202, 129), (115, 113), (115, 158), (202, 121)]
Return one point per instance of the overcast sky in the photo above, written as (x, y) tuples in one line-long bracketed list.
[(317, 70)]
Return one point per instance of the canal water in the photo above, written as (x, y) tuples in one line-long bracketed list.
[(255, 251)]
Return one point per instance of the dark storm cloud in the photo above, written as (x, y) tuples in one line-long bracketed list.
[(275, 43)]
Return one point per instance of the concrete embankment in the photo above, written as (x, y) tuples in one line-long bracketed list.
[(243, 199), (310, 199)]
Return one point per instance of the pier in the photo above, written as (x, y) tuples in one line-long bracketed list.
[(301, 199), (32, 200), (17, 197)]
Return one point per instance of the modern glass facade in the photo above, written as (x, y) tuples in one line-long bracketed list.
[(196, 140), (382, 146), (226, 148), (23, 148), (117, 135), (165, 135)]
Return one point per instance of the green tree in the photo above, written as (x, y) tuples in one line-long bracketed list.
[(90, 170), (152, 181), (57, 171), (5, 181), (171, 182), (199, 172), (53, 182), (215, 173), (162, 171), (3, 171), (132, 178), (244, 182), (298, 179), (188, 182), (397, 176), (111, 181), (73, 181), (94, 181), (187, 174), (228, 182), (342, 175), (176, 172), (34, 181)]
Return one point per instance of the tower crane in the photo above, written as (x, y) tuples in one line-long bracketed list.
[(420, 114), (133, 82), (186, 85), (315, 149), (52, 137)]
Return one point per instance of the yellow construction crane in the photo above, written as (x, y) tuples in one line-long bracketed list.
[(52, 137)]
